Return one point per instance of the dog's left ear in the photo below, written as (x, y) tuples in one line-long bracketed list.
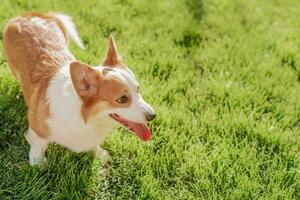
[(112, 57)]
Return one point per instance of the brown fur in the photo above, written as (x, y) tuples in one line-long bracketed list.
[(112, 58), (34, 55)]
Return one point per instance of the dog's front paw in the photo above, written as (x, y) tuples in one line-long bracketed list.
[(101, 154), (36, 157)]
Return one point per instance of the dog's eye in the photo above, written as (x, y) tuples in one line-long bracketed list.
[(123, 99)]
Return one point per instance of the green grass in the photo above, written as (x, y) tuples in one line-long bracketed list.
[(224, 79)]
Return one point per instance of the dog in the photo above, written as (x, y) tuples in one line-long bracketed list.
[(70, 102)]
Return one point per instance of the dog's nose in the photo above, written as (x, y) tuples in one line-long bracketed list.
[(150, 116)]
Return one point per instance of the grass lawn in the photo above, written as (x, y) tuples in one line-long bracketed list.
[(224, 79)]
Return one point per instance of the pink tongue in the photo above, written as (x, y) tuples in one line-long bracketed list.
[(141, 130)]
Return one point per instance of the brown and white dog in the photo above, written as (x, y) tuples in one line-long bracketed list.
[(69, 102)]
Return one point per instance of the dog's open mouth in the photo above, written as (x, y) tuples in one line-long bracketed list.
[(141, 130)]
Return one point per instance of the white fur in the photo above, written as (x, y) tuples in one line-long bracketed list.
[(101, 153), (38, 146), (70, 28), (66, 123)]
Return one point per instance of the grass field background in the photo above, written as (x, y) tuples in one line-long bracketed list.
[(224, 79)]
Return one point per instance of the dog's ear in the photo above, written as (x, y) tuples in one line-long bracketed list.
[(85, 79), (112, 57)]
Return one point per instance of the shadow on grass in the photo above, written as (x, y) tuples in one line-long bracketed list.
[(191, 37), (196, 9), (64, 175)]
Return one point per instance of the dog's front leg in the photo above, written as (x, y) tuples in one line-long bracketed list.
[(38, 146)]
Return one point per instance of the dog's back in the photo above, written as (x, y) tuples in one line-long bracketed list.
[(35, 46)]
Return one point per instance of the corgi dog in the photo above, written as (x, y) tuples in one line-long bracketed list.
[(70, 102)]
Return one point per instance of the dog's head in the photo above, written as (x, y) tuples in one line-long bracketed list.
[(112, 91)]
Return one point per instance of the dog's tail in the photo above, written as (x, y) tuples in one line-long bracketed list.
[(69, 28)]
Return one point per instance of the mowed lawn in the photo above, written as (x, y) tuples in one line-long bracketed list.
[(224, 79)]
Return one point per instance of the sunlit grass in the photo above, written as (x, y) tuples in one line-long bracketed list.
[(223, 77)]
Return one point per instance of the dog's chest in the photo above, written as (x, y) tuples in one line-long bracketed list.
[(66, 124), (77, 136)]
